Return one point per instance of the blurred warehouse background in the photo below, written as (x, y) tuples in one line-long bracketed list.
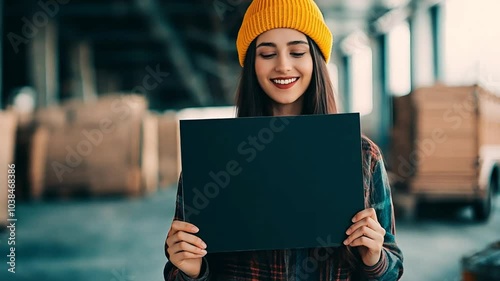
[(92, 91)]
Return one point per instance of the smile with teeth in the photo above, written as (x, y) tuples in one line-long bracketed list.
[(284, 81)]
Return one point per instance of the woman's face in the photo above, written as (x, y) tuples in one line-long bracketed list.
[(284, 66)]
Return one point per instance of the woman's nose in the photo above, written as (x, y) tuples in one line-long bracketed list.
[(283, 65)]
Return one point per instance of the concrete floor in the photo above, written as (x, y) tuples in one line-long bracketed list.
[(91, 239), (434, 244)]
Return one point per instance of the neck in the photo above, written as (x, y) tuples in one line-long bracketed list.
[(291, 109)]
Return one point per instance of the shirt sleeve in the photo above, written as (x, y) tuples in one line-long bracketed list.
[(170, 271), (390, 265)]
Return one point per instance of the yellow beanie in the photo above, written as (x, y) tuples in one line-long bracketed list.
[(302, 15)]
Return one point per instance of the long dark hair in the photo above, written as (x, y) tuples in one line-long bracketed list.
[(251, 100)]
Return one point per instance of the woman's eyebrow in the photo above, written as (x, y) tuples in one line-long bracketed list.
[(297, 42), (266, 44), (270, 44)]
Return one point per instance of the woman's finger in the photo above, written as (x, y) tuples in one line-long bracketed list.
[(365, 241), (180, 226), (186, 237), (363, 231), (177, 257), (367, 221), (183, 226), (186, 247), (366, 213)]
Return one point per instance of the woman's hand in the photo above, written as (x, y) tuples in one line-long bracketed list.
[(185, 249), (367, 234)]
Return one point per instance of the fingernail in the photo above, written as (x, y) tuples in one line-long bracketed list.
[(204, 252), (204, 245), (195, 229), (345, 242)]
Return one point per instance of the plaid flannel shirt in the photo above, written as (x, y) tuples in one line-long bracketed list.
[(308, 264)]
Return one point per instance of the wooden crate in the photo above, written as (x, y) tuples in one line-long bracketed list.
[(99, 168), (426, 129), (453, 147), (98, 151), (443, 183), (439, 131), (441, 165), (8, 125), (112, 109)]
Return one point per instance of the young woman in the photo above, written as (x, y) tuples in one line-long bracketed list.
[(283, 47)]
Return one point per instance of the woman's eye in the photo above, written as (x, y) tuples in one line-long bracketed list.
[(297, 55), (266, 56)]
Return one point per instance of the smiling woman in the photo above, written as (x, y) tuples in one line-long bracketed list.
[(284, 73), (284, 67), (284, 47)]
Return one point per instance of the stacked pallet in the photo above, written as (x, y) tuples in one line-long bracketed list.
[(450, 125), (7, 142), (105, 148), (447, 139)]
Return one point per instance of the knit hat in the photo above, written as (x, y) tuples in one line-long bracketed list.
[(302, 15)]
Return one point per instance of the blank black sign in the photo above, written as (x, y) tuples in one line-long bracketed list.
[(264, 183)]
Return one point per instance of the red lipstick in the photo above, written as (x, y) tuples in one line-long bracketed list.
[(284, 86)]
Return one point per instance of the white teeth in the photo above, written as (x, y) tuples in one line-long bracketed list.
[(284, 81)]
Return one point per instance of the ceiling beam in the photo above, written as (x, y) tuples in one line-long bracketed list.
[(216, 39), (176, 51), (109, 9), (129, 56), (104, 9), (103, 36)]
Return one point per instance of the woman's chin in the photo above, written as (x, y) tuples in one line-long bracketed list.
[(285, 100)]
